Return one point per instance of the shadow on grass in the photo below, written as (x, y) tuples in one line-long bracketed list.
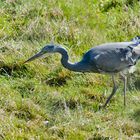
[(137, 84), (60, 104), (136, 115), (24, 114), (58, 81), (14, 70), (98, 137), (134, 81)]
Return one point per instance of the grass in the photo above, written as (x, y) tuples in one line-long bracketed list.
[(43, 100)]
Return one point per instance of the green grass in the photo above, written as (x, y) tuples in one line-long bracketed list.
[(43, 100)]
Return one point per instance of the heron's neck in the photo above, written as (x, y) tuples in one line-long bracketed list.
[(78, 67)]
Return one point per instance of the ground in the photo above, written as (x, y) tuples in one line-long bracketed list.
[(42, 100)]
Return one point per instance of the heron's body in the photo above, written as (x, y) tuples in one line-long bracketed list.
[(108, 58)]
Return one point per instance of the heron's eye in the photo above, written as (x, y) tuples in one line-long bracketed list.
[(48, 48)]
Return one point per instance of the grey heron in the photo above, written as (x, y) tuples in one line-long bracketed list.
[(109, 58)]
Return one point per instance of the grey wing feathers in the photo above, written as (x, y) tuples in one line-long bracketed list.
[(113, 61), (114, 45), (112, 57)]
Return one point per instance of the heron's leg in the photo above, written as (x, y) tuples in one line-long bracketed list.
[(125, 85), (115, 87)]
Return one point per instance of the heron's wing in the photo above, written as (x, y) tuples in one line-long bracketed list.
[(112, 58), (113, 61), (114, 46)]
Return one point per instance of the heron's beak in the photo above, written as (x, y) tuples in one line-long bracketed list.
[(34, 57)]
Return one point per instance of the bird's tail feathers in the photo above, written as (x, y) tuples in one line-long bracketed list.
[(136, 39), (137, 49)]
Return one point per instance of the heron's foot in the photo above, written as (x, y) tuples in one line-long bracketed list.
[(102, 106)]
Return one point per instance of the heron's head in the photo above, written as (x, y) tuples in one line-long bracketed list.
[(47, 49)]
